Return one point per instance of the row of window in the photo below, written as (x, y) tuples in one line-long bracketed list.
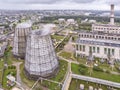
[(93, 49), (98, 37), (109, 51), (101, 28)]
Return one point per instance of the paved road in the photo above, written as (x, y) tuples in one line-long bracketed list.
[(19, 81)]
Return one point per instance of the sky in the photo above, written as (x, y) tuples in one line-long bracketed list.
[(59, 4)]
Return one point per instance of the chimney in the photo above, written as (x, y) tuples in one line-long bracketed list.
[(112, 15)]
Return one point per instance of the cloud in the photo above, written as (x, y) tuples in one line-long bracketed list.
[(116, 2), (59, 4), (83, 1), (45, 1)]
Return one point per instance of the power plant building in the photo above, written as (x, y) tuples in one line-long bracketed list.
[(21, 32), (41, 59), (102, 41)]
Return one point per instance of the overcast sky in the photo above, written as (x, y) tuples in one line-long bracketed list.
[(59, 4)]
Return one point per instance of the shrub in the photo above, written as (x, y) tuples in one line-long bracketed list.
[(107, 71), (14, 73), (82, 71), (96, 68), (117, 69), (82, 66)]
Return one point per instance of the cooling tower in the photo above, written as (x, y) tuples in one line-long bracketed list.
[(21, 32), (40, 60)]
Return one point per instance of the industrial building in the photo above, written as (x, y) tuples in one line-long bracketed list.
[(40, 59), (103, 41), (21, 32)]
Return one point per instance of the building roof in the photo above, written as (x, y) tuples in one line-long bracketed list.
[(99, 42), (107, 25), (96, 33), (11, 78)]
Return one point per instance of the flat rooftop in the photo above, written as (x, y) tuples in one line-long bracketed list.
[(107, 25), (96, 33), (99, 42)]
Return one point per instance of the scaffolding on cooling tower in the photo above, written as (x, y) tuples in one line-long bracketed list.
[(40, 59), (20, 41)]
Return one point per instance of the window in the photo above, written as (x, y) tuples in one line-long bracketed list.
[(90, 49), (97, 37), (98, 50), (109, 51), (83, 48), (105, 50), (93, 49), (76, 47), (113, 52), (80, 48)]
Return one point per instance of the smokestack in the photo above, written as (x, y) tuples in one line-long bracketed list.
[(112, 15)]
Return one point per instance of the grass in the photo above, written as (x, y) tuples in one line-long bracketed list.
[(65, 55), (104, 65), (62, 71), (57, 37), (75, 85), (7, 72), (51, 86), (96, 74), (25, 80), (81, 60), (0, 76), (1, 63)]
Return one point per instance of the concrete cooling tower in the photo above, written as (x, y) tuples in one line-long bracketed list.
[(40, 60), (21, 32)]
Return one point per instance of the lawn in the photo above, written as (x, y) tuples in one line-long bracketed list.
[(57, 37), (75, 85), (101, 75), (0, 76), (63, 65), (25, 80), (1, 63), (104, 65), (51, 86), (65, 55)]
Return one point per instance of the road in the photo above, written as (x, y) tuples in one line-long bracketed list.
[(19, 81)]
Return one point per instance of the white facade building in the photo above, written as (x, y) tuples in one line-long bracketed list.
[(103, 41), (100, 45), (71, 21)]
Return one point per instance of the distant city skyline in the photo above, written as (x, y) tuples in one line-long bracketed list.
[(61, 4)]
